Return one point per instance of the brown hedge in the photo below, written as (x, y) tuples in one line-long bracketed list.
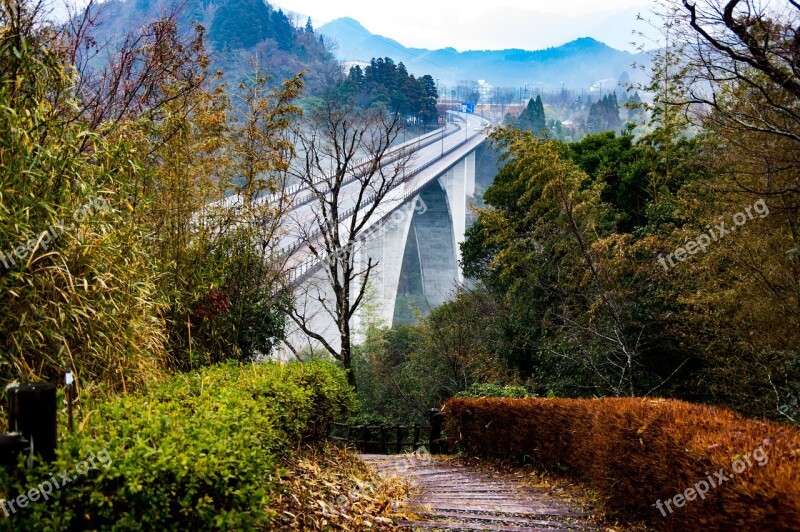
[(639, 451)]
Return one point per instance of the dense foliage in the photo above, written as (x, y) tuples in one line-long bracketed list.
[(119, 261), (387, 83), (671, 464), (198, 450), (405, 371), (533, 118), (604, 115)]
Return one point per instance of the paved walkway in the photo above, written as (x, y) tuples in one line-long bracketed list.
[(447, 496)]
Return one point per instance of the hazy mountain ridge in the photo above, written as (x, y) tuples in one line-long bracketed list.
[(579, 63)]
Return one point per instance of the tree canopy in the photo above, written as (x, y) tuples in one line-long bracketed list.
[(389, 84)]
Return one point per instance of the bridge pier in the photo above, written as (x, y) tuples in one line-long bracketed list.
[(432, 231), (386, 246), (458, 183), (470, 174)]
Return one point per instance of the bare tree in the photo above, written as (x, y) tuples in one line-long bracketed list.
[(745, 65), (740, 34), (151, 67), (347, 169)]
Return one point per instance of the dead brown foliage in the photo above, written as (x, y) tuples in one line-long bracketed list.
[(328, 488), (639, 451)]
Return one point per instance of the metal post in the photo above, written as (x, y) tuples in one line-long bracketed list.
[(69, 382), (444, 126), (32, 413)]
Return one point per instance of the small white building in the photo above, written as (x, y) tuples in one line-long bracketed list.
[(485, 90)]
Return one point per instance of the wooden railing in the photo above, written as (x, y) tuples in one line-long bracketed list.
[(393, 439), (381, 439)]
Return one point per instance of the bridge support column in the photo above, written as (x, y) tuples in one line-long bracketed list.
[(470, 174), (433, 238), (458, 182), (386, 246)]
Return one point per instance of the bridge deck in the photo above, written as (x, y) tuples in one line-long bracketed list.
[(447, 495)]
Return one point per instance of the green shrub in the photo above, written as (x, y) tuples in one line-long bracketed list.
[(477, 390), (331, 397), (199, 451)]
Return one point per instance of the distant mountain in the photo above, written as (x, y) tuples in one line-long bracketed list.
[(580, 63)]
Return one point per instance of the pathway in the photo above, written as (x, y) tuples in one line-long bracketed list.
[(450, 496)]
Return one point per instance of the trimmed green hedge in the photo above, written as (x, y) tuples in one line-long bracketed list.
[(199, 451)]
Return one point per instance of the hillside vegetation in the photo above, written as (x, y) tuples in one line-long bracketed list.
[(663, 264), (237, 31)]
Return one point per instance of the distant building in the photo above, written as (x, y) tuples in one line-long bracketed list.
[(485, 90), (347, 65)]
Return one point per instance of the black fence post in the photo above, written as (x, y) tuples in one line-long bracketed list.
[(436, 419), (365, 448), (399, 439), (32, 413)]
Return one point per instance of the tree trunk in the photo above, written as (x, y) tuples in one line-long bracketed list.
[(347, 360)]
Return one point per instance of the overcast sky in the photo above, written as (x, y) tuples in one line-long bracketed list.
[(440, 23), (482, 25)]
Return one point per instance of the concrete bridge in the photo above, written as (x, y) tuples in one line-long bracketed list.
[(414, 234)]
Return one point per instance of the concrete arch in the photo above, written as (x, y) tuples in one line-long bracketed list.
[(430, 264), (416, 249)]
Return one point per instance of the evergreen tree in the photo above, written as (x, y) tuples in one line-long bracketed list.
[(533, 118), (604, 115), (635, 109), (309, 27), (427, 106), (356, 76), (390, 84), (284, 32)]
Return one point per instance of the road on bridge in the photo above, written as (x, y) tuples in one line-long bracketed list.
[(301, 219)]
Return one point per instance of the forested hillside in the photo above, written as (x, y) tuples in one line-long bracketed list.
[(238, 32)]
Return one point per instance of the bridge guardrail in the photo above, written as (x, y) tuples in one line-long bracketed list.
[(396, 154)]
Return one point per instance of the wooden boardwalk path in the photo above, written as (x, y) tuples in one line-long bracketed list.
[(449, 496)]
